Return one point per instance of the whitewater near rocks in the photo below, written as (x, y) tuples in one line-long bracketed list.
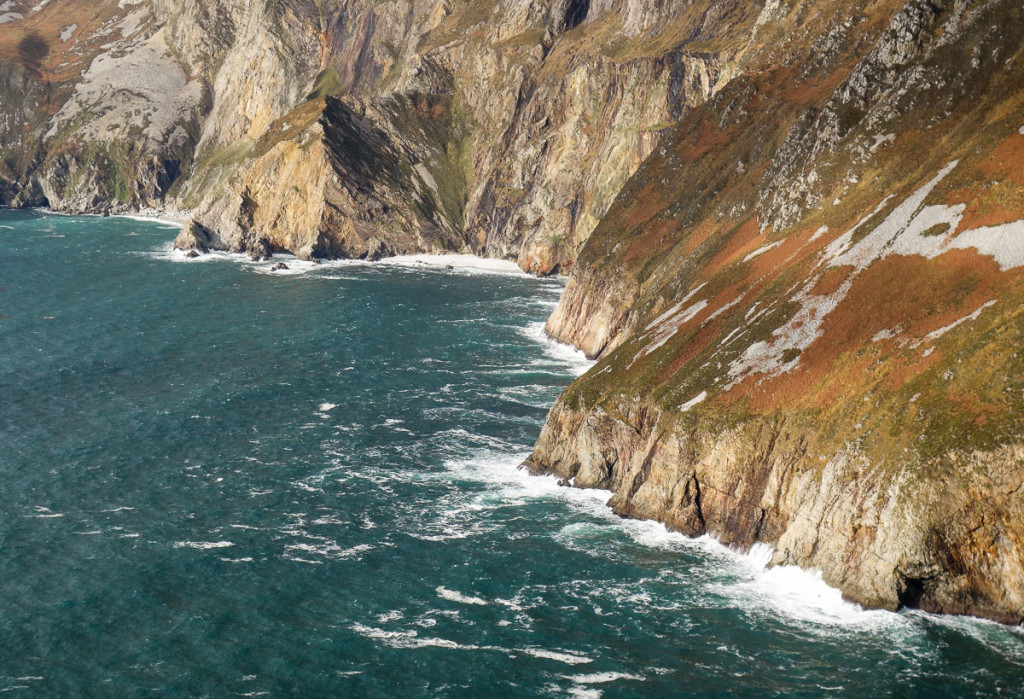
[(792, 230), (847, 317), (332, 505)]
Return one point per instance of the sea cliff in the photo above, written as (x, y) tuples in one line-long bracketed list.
[(358, 129), (806, 308), (794, 232)]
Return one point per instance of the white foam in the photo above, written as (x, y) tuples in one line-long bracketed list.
[(532, 395), (573, 359), (410, 639), (327, 407), (296, 266), (788, 592), (166, 218), (293, 266), (580, 692), (45, 513), (462, 262), (1007, 641), (169, 223), (327, 549), (562, 657), (741, 580), (793, 593), (603, 677), (453, 596), (203, 545)]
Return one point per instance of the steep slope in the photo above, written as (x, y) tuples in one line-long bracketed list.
[(358, 129), (806, 307), (504, 130), (100, 115)]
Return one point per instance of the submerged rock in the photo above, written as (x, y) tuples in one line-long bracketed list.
[(259, 250)]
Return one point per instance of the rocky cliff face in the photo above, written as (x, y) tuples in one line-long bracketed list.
[(795, 230), (101, 114), (806, 306), (357, 129)]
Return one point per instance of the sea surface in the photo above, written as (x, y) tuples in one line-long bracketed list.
[(219, 480)]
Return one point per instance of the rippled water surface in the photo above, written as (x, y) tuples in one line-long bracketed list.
[(225, 481)]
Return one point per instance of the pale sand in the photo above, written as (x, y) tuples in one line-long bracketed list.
[(459, 261), (177, 218)]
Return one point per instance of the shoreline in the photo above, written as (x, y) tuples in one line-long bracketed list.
[(425, 261), (753, 557), (178, 219), (175, 218), (466, 261), (455, 261)]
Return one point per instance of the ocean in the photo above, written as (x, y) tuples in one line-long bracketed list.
[(221, 480)]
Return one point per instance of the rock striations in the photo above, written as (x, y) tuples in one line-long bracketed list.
[(807, 309), (795, 230), (355, 129)]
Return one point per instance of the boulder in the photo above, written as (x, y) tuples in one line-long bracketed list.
[(194, 237)]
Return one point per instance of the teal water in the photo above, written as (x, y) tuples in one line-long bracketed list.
[(221, 481)]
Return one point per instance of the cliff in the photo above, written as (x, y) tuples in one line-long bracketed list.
[(807, 310), (795, 230), (356, 129)]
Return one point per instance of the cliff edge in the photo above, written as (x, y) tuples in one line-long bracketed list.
[(357, 129), (807, 310), (795, 230)]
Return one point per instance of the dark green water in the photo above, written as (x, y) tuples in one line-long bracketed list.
[(219, 481)]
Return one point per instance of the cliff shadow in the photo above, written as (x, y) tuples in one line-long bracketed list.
[(32, 51)]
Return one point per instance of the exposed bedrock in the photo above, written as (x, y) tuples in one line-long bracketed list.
[(503, 129), (945, 536), (806, 310)]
